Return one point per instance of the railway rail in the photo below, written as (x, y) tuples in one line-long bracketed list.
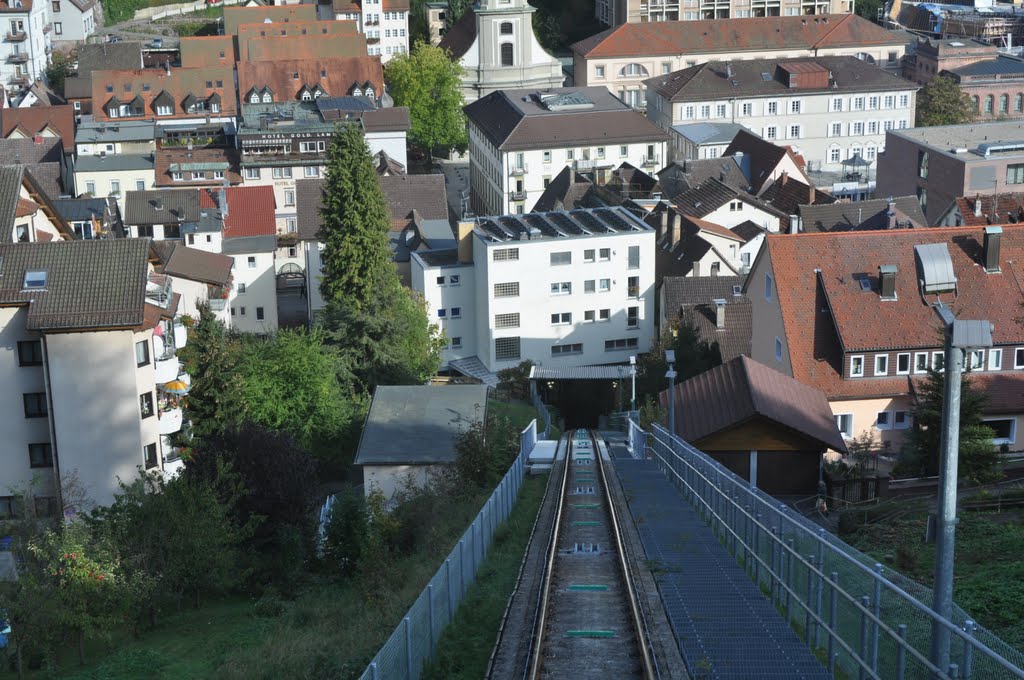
[(589, 623)]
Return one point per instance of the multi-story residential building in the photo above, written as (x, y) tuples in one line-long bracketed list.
[(234, 17), (200, 277), (75, 316), (25, 42), (286, 142), (520, 139), (266, 82), (384, 22), (91, 218), (161, 215), (622, 58), (827, 109), (929, 58), (182, 97), (74, 20), (942, 164), (436, 16), (178, 166), (495, 44), (563, 289), (101, 175), (121, 56), (27, 213), (615, 12), (121, 138), (853, 315)]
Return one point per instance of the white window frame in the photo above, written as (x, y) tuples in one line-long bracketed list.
[(561, 288), (927, 363), (1012, 439), (905, 425), (853, 360), (910, 363), (839, 417), (884, 358), (976, 360), (879, 425), (937, 356)]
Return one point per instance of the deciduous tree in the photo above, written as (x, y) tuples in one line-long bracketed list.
[(942, 102), (429, 82)]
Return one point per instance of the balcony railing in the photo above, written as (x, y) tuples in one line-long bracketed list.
[(649, 161), (180, 334), (170, 420), (517, 195), (159, 290), (17, 58), (372, 41), (16, 36), (519, 170), (584, 164), (167, 369), (18, 80)]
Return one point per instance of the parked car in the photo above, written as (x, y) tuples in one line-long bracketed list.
[(157, 43), (113, 38)]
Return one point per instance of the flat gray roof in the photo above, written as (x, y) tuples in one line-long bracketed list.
[(418, 424), (968, 137), (114, 163), (128, 131), (709, 133)]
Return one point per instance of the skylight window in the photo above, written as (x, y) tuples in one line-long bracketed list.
[(766, 76), (865, 283), (35, 280)]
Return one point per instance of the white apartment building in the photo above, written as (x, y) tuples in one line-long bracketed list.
[(384, 22), (25, 42), (74, 20), (520, 139), (27, 214), (564, 289), (827, 109), (89, 340), (278, 151), (495, 44), (615, 12)]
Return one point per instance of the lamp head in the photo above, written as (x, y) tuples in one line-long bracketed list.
[(670, 356)]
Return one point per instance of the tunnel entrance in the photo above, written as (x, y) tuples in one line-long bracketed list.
[(582, 395)]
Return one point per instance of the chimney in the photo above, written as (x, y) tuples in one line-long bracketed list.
[(465, 241), (784, 178), (993, 235), (719, 313), (167, 67), (812, 193), (887, 275), (189, 143), (977, 206), (728, 70), (663, 225), (222, 202), (677, 229), (891, 214)]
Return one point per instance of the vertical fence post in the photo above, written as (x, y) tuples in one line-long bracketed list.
[(832, 596), (789, 577), (968, 648), (819, 579), (373, 671), (462, 563), (807, 603), (430, 613), (901, 651), (408, 647), (865, 602), (448, 580), (757, 550), (774, 569), (877, 612)]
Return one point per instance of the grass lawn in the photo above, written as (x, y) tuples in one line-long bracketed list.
[(465, 646), (989, 572)]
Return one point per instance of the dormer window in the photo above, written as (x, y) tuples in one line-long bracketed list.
[(357, 92), (254, 98), (305, 95), (267, 98)]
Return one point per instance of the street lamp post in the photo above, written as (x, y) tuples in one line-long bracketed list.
[(670, 357), (960, 337), (632, 372)]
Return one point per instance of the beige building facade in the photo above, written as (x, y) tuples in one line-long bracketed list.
[(616, 12)]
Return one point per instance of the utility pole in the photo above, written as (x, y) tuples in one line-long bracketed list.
[(960, 337), (670, 357)]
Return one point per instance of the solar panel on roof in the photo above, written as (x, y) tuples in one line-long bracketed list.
[(589, 221), (615, 220), (566, 224)]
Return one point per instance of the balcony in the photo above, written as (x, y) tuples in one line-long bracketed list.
[(373, 41), (173, 462), (167, 369), (17, 58), (180, 334), (18, 80), (170, 419), (519, 170), (48, 27), (584, 165), (16, 36), (651, 161), (517, 195), (159, 291)]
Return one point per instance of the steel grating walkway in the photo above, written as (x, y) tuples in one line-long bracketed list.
[(727, 630)]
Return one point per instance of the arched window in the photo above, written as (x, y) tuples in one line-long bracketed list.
[(506, 28), (634, 69), (1004, 103), (977, 103), (507, 57), (1018, 103), (989, 103), (864, 56)]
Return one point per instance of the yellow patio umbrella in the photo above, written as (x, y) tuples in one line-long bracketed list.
[(176, 387)]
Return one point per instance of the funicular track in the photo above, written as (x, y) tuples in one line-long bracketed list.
[(589, 623)]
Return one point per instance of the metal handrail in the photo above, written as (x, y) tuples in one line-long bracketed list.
[(868, 614)]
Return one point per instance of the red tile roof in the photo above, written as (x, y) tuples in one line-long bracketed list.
[(250, 210), (210, 50), (758, 34), (336, 76), (303, 47), (35, 119), (236, 16), (148, 84), (825, 310), (25, 207), (993, 208), (310, 29)]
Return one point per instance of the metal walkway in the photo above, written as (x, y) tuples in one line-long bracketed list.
[(726, 628)]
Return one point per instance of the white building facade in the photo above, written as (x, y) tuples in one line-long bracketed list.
[(75, 20), (562, 289), (384, 22), (841, 108), (25, 42), (519, 140)]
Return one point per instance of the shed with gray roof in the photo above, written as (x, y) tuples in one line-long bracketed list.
[(412, 429)]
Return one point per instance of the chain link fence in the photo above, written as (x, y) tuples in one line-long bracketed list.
[(861, 619), (413, 641)]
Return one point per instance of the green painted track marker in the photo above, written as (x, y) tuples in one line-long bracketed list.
[(586, 524), (590, 633), (588, 587), (587, 506)]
